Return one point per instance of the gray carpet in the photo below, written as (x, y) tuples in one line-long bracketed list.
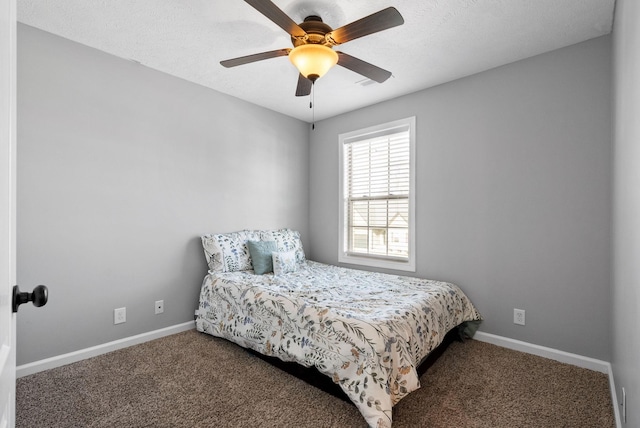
[(194, 380)]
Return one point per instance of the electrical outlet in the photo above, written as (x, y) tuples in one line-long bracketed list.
[(119, 315), (159, 306), (518, 316), (624, 406)]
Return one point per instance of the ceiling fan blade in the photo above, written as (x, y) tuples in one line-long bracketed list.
[(275, 14), (255, 57), (304, 86), (382, 20), (362, 67)]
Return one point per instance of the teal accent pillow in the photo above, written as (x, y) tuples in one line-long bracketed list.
[(260, 252)]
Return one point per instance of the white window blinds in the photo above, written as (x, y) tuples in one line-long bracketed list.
[(377, 189)]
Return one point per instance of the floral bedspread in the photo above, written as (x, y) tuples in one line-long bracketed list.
[(367, 331)]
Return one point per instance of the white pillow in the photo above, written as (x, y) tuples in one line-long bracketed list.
[(284, 262), (287, 240), (228, 252)]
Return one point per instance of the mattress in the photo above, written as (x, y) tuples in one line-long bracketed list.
[(367, 331)]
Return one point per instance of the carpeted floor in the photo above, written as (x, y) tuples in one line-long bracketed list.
[(194, 380)]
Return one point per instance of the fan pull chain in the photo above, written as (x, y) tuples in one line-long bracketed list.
[(312, 106)]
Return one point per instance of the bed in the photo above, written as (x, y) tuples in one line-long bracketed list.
[(367, 331)]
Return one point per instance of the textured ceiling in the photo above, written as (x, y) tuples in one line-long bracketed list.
[(441, 40)]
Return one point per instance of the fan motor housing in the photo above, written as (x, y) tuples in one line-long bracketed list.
[(315, 29)]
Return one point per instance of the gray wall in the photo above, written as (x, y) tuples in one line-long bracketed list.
[(626, 219), (120, 170), (513, 198)]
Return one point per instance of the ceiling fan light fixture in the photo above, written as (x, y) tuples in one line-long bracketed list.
[(313, 60)]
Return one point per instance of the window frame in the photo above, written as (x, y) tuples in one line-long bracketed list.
[(384, 262)]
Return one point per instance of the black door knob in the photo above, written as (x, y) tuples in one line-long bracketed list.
[(39, 297)]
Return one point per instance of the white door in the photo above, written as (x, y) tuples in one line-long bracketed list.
[(7, 211)]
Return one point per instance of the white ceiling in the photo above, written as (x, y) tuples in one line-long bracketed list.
[(441, 40)]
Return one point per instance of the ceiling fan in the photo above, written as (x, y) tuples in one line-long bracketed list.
[(313, 42)]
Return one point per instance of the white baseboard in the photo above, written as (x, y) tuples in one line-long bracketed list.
[(614, 398), (82, 354), (542, 351), (557, 355)]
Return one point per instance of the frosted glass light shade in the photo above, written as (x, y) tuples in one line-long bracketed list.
[(313, 60)]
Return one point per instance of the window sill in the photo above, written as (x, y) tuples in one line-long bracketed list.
[(409, 265)]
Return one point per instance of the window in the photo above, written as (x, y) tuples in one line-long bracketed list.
[(377, 184)]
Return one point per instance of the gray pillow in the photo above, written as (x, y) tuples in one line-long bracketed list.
[(260, 252)]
